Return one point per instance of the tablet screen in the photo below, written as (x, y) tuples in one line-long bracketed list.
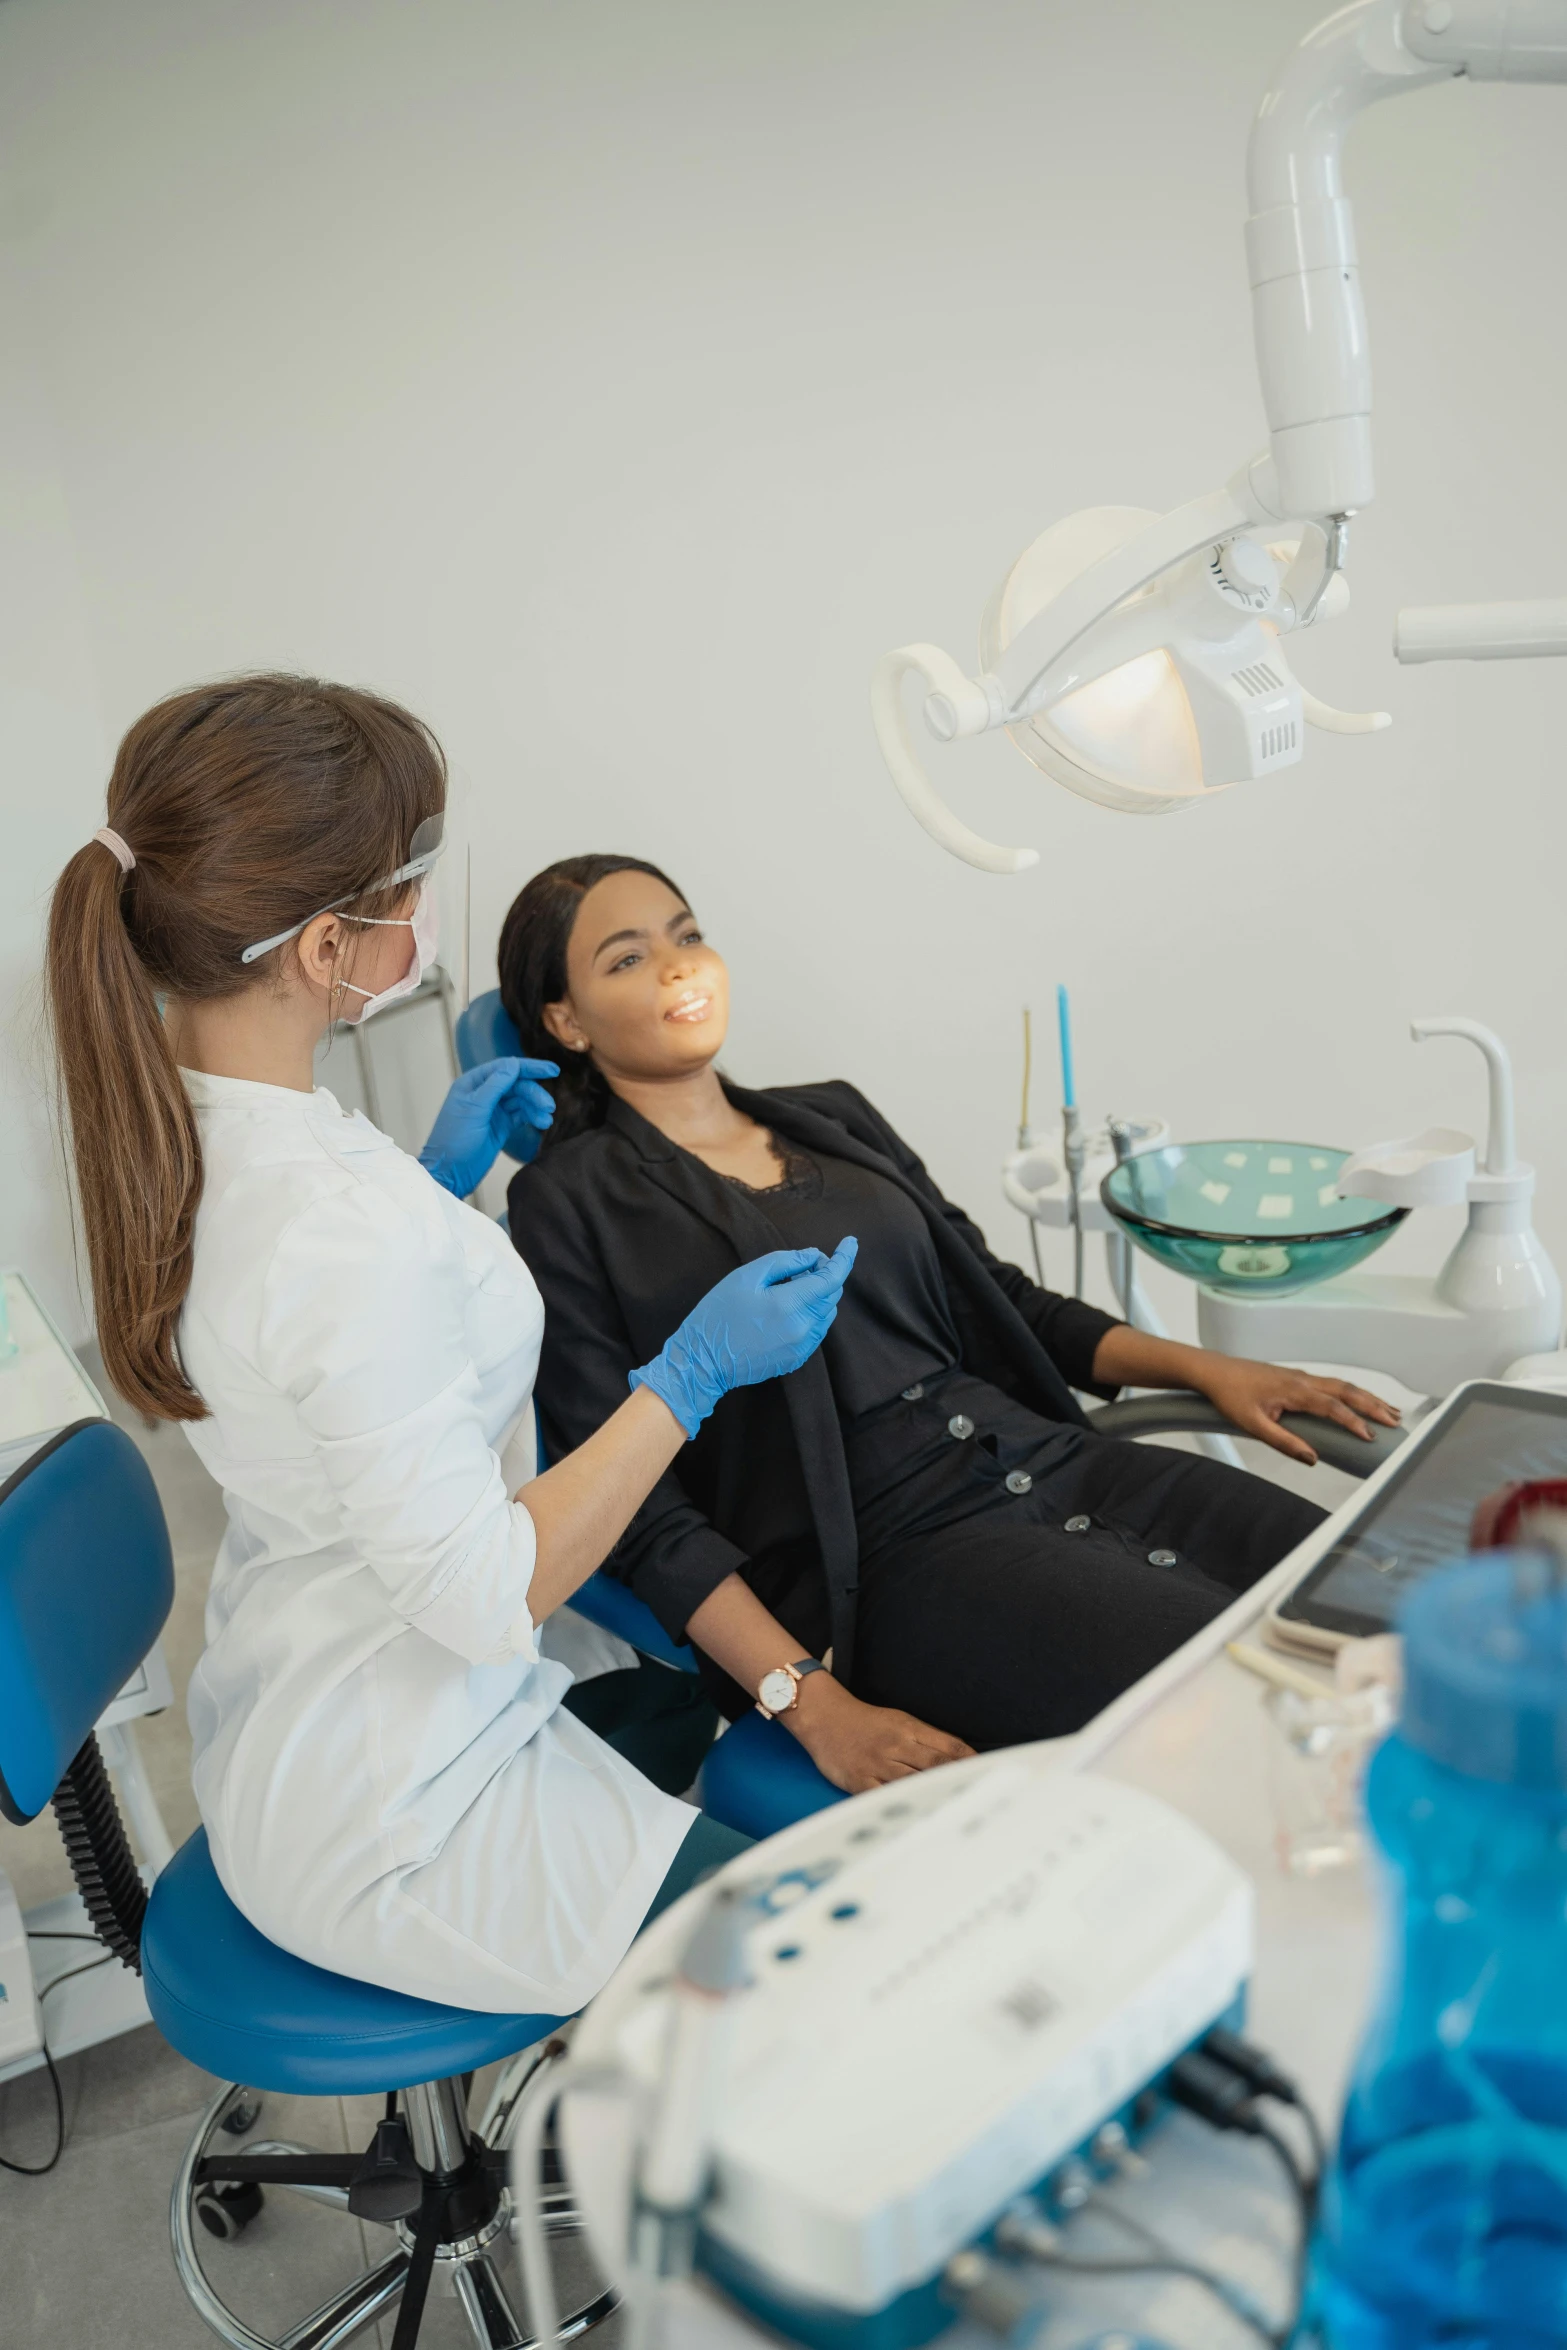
[(1420, 1518)]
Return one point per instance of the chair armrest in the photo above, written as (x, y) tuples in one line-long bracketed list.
[(615, 1609), (1181, 1413)]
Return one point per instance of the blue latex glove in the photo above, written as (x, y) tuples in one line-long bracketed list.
[(758, 1323), (499, 1106)]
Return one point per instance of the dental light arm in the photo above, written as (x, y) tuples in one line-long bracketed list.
[(1196, 589), (1482, 632)]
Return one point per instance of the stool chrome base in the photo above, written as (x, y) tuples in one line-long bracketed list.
[(465, 2265)]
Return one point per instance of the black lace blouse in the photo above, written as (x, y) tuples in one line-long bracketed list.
[(894, 1326)]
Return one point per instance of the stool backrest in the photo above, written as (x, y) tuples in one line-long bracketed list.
[(86, 1581), (485, 1031)]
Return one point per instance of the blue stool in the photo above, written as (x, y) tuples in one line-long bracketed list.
[(86, 1581)]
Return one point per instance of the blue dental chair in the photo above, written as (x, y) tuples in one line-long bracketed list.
[(86, 1582), (756, 1777), (485, 1032)]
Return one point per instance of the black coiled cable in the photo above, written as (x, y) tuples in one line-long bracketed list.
[(99, 1851)]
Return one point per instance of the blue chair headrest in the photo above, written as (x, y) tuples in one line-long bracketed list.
[(486, 1032), (86, 1581)]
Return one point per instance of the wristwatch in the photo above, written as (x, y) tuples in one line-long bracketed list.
[(778, 1692)]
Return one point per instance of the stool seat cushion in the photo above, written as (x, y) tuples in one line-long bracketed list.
[(234, 2003), (758, 1778)]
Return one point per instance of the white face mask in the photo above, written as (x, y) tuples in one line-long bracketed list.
[(423, 923)]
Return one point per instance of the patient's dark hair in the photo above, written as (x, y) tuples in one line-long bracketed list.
[(532, 959)]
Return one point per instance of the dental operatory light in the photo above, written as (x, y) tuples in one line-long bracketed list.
[(1140, 658)]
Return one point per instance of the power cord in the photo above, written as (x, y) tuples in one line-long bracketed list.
[(1258, 2069), (1029, 2233), (39, 2170), (1221, 2083), (1236, 2300)]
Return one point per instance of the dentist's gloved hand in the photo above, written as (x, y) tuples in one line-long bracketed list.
[(757, 1323), (498, 1106)]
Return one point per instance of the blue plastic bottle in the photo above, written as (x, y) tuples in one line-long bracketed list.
[(1445, 2214)]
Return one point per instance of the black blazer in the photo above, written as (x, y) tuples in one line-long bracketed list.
[(624, 1231)]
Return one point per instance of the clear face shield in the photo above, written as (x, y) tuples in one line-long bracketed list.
[(423, 850)]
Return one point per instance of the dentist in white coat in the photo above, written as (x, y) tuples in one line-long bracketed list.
[(386, 1775)]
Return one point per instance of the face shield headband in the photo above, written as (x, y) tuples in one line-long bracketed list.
[(428, 841)]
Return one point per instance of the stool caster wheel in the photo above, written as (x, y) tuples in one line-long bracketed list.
[(227, 2210), (242, 2115)]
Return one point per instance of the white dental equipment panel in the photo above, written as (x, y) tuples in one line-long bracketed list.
[(955, 1982)]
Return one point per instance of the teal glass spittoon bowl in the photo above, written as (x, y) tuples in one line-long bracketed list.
[(1250, 1219)]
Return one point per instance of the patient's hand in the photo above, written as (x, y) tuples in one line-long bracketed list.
[(858, 1745), (1254, 1395)]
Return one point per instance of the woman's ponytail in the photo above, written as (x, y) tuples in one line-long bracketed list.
[(133, 1135), (239, 811)]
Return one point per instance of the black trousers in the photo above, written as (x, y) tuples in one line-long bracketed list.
[(661, 1720), (1022, 1621)]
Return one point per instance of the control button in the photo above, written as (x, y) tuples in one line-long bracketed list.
[(1162, 1558), (1020, 1482), (1078, 1525), (960, 1425), (914, 1393)]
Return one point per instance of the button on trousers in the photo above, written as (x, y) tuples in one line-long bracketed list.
[(1023, 1621)]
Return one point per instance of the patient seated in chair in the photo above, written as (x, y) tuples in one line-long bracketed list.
[(924, 1504)]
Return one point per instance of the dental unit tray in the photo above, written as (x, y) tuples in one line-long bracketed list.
[(959, 1985)]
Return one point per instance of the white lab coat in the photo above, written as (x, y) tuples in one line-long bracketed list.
[(388, 1782)]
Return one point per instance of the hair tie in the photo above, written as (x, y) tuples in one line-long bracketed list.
[(122, 854)]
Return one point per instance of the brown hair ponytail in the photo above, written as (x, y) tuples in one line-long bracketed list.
[(247, 806)]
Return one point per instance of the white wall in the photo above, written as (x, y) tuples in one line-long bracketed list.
[(615, 381)]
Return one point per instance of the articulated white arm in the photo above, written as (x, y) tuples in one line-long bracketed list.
[(1482, 632), (1310, 324), (1314, 363)]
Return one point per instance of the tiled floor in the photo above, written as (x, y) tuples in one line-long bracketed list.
[(84, 2252)]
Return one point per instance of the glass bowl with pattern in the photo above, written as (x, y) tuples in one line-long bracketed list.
[(1249, 1219)]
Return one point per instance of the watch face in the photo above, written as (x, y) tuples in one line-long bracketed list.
[(777, 1691)]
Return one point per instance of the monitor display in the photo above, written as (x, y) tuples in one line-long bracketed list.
[(1420, 1518)]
